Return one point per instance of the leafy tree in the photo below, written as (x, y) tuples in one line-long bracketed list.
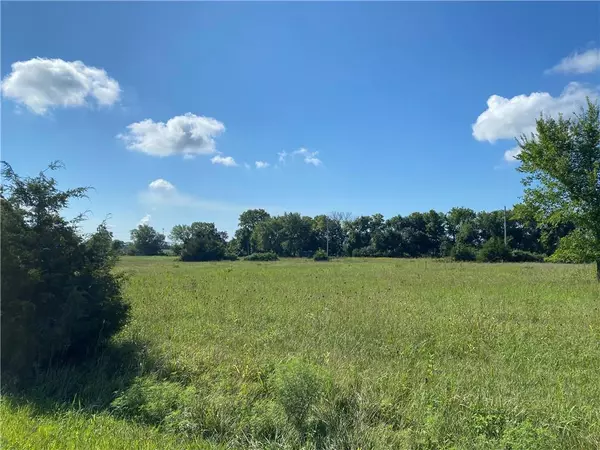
[(456, 220), (147, 241), (267, 236), (247, 223), (118, 246), (562, 166), (60, 296), (201, 241)]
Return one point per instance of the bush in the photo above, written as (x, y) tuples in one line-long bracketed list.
[(320, 255), (462, 252), (267, 256), (494, 250), (60, 297), (230, 257), (523, 256), (298, 386), (367, 252)]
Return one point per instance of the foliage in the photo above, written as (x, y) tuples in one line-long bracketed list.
[(576, 247), (462, 252), (320, 255), (200, 241), (146, 241), (523, 256), (153, 402), (562, 166), (494, 250), (298, 387), (60, 296), (264, 256)]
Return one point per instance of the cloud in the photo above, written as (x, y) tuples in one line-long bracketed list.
[(309, 157), (161, 184), (42, 84), (224, 160), (246, 165), (161, 193), (187, 135), (578, 63), (282, 155), (511, 155), (509, 118), (261, 164), (145, 220)]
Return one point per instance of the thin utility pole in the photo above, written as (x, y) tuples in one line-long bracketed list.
[(505, 226), (327, 221)]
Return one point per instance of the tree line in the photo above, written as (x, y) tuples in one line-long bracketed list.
[(461, 233)]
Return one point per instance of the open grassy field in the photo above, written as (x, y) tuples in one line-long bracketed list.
[(352, 353)]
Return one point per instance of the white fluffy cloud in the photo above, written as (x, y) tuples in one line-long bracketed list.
[(511, 155), (145, 220), (578, 63), (261, 164), (161, 184), (186, 135), (507, 118), (224, 160), (41, 84), (309, 157), (162, 193)]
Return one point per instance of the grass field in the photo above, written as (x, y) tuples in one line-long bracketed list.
[(352, 353)]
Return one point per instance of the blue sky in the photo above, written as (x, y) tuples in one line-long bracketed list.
[(386, 107)]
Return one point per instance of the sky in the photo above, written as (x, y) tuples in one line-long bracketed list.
[(183, 112)]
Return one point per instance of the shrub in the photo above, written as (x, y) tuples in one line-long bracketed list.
[(298, 386), (230, 257), (320, 255), (267, 256), (154, 402), (494, 250), (367, 252), (462, 252), (523, 256), (60, 297)]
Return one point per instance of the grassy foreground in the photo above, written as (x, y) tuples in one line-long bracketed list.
[(368, 354)]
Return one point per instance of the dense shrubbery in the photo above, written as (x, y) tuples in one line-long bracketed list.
[(462, 252), (60, 297), (522, 256), (320, 255), (266, 256), (494, 250)]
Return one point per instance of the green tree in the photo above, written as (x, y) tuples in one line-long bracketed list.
[(60, 296), (201, 241), (248, 221), (147, 241), (562, 166)]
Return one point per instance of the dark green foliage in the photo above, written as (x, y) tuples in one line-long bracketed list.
[(60, 297), (203, 242), (523, 256), (146, 241), (266, 256), (463, 252), (494, 250), (320, 255)]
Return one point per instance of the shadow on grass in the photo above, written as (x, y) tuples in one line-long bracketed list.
[(88, 386)]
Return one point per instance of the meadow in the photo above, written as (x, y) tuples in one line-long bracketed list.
[(347, 354)]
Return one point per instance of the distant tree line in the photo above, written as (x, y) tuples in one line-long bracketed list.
[(461, 233)]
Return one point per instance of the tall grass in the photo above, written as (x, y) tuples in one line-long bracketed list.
[(350, 354)]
